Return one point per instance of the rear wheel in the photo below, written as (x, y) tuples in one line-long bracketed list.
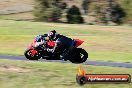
[(79, 55), (28, 55)]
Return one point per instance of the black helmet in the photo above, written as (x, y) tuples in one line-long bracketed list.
[(52, 34)]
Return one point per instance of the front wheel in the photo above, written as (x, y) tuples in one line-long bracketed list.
[(28, 54), (79, 55)]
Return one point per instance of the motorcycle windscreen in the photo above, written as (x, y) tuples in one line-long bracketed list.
[(78, 42)]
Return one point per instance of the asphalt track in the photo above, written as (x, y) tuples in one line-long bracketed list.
[(88, 62)]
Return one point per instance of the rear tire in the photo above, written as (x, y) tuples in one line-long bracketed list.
[(28, 55), (79, 55)]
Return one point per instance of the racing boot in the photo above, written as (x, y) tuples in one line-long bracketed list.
[(64, 55)]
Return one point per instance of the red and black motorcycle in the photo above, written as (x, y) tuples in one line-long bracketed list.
[(77, 55)]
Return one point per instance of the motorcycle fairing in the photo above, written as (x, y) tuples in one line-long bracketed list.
[(32, 44), (78, 42), (33, 52), (51, 44)]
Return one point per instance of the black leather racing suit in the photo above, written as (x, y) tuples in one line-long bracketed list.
[(63, 45)]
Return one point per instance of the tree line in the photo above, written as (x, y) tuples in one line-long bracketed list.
[(104, 11)]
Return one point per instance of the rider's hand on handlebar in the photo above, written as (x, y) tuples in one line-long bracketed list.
[(37, 44)]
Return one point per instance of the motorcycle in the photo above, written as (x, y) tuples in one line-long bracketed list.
[(77, 55)]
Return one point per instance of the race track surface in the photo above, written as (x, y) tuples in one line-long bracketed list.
[(88, 62)]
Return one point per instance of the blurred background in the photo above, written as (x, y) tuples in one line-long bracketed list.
[(104, 25), (107, 12)]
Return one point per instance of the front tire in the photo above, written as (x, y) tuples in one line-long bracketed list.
[(28, 55)]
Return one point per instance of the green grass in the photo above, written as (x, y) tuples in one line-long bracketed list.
[(111, 56), (52, 75), (107, 43)]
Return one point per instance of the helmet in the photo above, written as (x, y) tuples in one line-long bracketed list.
[(52, 34)]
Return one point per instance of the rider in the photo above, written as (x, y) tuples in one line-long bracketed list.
[(61, 43)]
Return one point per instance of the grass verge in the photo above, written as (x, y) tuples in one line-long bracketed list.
[(29, 74)]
